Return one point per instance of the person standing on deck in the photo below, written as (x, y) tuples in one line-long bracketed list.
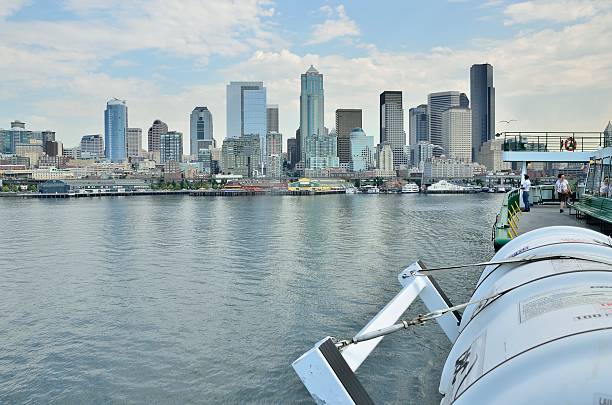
[(525, 186), (563, 190)]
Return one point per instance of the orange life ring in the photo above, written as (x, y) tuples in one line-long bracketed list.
[(570, 144)]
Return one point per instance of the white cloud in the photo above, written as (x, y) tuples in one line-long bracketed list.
[(8, 7), (558, 11), (337, 25)]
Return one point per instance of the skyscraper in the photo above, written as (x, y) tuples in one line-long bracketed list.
[(362, 150), (457, 133), (607, 135), (272, 117), (133, 142), (346, 120), (171, 147), (274, 153), (437, 103), (311, 108), (392, 125), (418, 124), (482, 94), (241, 155), (158, 129), (200, 130), (292, 152), (115, 127), (246, 112)]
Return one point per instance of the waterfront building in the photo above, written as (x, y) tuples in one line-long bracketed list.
[(60, 162), (92, 146), (272, 118), (362, 150), (437, 103), (457, 133), (115, 127), (447, 168), (346, 120), (491, 155), (171, 147), (246, 113), (385, 158), (241, 156), (158, 129), (205, 159), (321, 152), (133, 142), (311, 109), (51, 173), (200, 130), (392, 126), (608, 135), (482, 94), (33, 151)]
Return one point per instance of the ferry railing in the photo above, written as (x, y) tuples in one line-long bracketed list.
[(554, 141), (506, 223)]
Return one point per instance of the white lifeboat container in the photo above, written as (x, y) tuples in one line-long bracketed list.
[(548, 338)]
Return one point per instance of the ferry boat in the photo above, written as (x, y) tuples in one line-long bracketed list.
[(409, 188), (537, 328), (350, 190), (369, 189), (445, 187)]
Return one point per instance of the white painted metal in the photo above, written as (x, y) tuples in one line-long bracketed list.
[(512, 156), (527, 345), (319, 378)]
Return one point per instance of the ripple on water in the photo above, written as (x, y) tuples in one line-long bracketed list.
[(197, 300)]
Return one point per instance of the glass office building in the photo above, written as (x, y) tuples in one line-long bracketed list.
[(201, 130), (115, 128)]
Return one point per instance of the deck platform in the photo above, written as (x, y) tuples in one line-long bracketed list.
[(545, 215)]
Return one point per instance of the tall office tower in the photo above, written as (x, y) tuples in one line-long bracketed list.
[(437, 103), (171, 147), (464, 102), (346, 120), (200, 130), (292, 152), (482, 94), (274, 154), (457, 133), (115, 127), (133, 142), (311, 108), (385, 157), (158, 129), (418, 129), (608, 135), (246, 113), (272, 117), (92, 147), (392, 125), (48, 136)]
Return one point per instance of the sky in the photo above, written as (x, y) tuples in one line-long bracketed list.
[(61, 60)]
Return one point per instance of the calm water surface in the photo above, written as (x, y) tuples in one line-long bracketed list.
[(209, 300)]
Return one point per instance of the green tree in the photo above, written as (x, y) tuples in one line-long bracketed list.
[(5, 189)]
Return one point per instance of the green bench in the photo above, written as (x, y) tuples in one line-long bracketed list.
[(599, 208)]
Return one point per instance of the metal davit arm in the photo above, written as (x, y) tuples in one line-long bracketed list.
[(328, 373)]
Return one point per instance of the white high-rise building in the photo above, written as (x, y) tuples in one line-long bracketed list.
[(385, 157), (457, 133)]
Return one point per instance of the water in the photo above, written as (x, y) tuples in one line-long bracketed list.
[(209, 300)]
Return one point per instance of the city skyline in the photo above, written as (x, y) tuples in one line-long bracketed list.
[(42, 65)]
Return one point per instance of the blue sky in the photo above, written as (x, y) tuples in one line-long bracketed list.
[(61, 60)]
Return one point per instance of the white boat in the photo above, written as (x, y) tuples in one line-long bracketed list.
[(350, 190), (369, 189), (501, 190), (537, 329), (445, 187), (410, 188)]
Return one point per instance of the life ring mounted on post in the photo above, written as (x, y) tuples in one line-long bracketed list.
[(570, 144)]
